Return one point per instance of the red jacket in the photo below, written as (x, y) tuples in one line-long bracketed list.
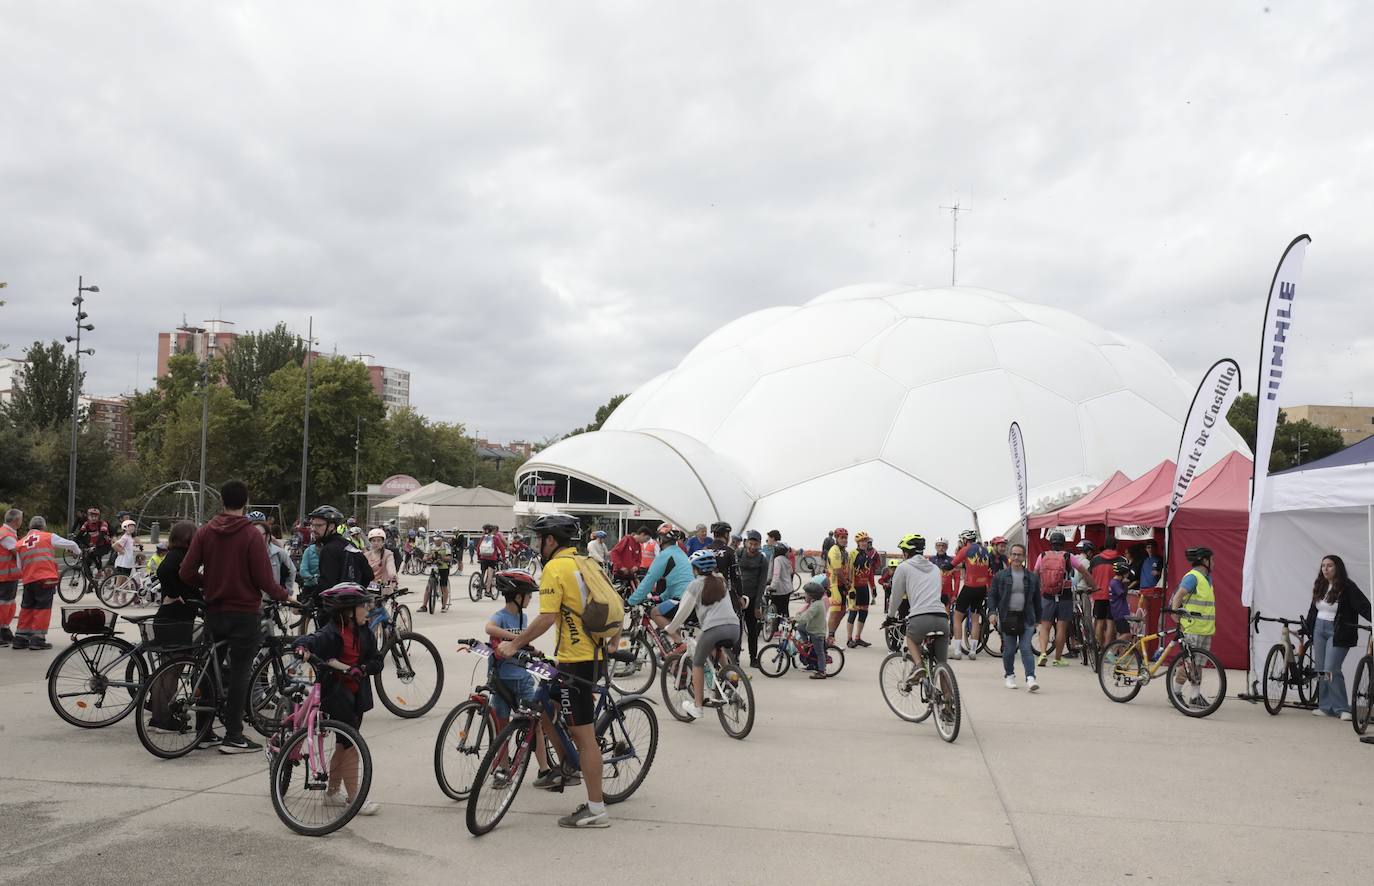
[(236, 569), (625, 555)]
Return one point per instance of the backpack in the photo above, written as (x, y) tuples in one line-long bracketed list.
[(1053, 572), (356, 568), (603, 612), (487, 548)]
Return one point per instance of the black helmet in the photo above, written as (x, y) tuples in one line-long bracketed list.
[(327, 513), (1121, 567), (720, 527), (562, 527), (1197, 555), (1056, 538), (513, 582), (753, 535)]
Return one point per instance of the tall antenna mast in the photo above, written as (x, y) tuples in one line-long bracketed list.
[(954, 243)]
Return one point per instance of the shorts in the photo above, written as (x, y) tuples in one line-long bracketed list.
[(123, 570), (837, 598), (862, 596), (1122, 625), (575, 697), (1102, 610), (489, 564), (443, 577), (1198, 641), (919, 625), (970, 598), (341, 704), (1057, 608), (720, 635), (521, 687), (667, 608)]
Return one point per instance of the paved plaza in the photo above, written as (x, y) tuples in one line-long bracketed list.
[(1058, 788)]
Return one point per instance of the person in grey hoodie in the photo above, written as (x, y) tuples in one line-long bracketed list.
[(917, 580)]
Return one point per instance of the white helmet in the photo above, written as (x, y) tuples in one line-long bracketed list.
[(376, 533)]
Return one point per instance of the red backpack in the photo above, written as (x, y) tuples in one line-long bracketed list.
[(1054, 572)]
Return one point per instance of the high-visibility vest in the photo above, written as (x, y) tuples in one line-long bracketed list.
[(1201, 607), (9, 560), (40, 563), (647, 552)]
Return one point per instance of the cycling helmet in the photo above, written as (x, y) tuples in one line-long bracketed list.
[(967, 536), (512, 582), (753, 535), (862, 536), (329, 514), (162, 546), (562, 527), (841, 531), (344, 595), (1197, 555), (704, 561), (376, 533), (720, 528), (942, 541), (915, 542), (1056, 538), (352, 521), (1121, 567), (600, 533), (998, 540), (130, 524), (421, 530), (1085, 545), (670, 533), (410, 534), (253, 517), (780, 549)]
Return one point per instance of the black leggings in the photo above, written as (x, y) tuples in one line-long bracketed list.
[(752, 626)]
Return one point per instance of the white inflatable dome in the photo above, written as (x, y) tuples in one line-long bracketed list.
[(884, 408)]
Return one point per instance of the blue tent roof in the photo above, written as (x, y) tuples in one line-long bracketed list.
[(1354, 454)]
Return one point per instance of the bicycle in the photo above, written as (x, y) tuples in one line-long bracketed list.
[(118, 591), (787, 652), (76, 582), (650, 646), (1126, 666), (308, 754), (415, 668), (469, 729), (477, 585), (772, 618), (725, 686), (626, 732), (1283, 668), (914, 693), (86, 685), (1362, 696)]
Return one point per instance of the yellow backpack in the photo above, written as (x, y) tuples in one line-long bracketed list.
[(603, 612)]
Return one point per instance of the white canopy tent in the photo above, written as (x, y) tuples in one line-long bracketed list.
[(1326, 507)]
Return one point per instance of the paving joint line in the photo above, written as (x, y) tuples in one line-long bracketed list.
[(1002, 799)]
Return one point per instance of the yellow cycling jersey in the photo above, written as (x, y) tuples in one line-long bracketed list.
[(560, 594)]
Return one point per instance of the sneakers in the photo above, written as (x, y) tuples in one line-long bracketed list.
[(1042, 660), (818, 676), (954, 652), (209, 741), (690, 709), (552, 778), (864, 643), (238, 744), (1010, 682), (335, 799), (1031, 685), (583, 817), (1345, 715), (369, 808), (6, 636), (37, 643), (849, 644), (1318, 712), (20, 642), (972, 655), (1058, 663)]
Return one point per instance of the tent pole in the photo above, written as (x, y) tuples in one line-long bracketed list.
[(1369, 529)]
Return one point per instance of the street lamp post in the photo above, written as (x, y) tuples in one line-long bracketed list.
[(476, 457), (305, 436), (81, 289), (357, 439)]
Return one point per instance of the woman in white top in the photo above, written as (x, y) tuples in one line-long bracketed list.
[(708, 597), (1332, 623), (382, 563), (126, 549)]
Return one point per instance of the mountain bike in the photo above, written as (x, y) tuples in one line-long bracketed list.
[(1284, 668), (413, 677), (397, 611), (477, 586), (469, 729), (95, 681), (650, 646), (1126, 666), (312, 759), (787, 652), (725, 687), (76, 582), (914, 693), (626, 733), (1362, 696)]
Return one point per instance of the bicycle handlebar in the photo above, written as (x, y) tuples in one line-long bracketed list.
[(1257, 618)]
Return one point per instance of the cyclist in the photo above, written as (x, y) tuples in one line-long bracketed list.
[(345, 695), (442, 561), (491, 550), (380, 559), (949, 576), (839, 564), (517, 588), (810, 625), (332, 548), (867, 565), (672, 570), (1196, 596), (1055, 568), (94, 537), (917, 581), (460, 547), (997, 555), (1102, 567), (126, 549), (753, 576), (707, 596), (973, 557), (159, 554), (236, 574), (780, 574), (560, 603), (596, 548), (625, 556)]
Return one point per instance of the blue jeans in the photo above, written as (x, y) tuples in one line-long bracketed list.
[(1331, 694), (1010, 643)]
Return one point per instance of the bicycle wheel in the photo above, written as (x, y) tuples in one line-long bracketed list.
[(834, 661), (628, 736), (499, 776), (991, 641), (413, 676), (475, 587), (635, 677), (264, 708), (1120, 671), (176, 708), (463, 740), (80, 690), (307, 767), (901, 687), (405, 622), (1362, 696), (945, 701), (1306, 677), (774, 660), (676, 683), (1204, 686), (117, 591), (736, 711), (1275, 686), (72, 585), (796, 582)]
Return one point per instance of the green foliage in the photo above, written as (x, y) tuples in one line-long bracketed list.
[(255, 356), (33, 472), (42, 396), (1317, 442), (602, 413)]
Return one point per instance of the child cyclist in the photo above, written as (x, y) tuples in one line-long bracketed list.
[(345, 695), (1116, 599), (518, 587), (811, 627), (708, 597)]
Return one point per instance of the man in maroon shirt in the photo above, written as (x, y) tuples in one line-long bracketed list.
[(228, 561)]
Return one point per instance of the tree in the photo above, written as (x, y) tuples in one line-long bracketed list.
[(1314, 440), (602, 413), (255, 356), (42, 397), (152, 411)]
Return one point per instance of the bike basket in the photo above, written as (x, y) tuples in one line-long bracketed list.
[(164, 633), (88, 620)]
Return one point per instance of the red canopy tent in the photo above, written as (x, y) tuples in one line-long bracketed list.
[(1158, 480), (1039, 545)]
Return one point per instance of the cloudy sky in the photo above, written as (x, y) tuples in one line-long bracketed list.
[(534, 206)]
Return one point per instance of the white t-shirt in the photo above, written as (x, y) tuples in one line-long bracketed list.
[(128, 555), (721, 612), (1326, 611)]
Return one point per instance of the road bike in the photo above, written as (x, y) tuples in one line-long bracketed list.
[(1127, 666), (413, 677), (788, 652), (914, 693), (725, 687), (1362, 696), (626, 731), (95, 681), (313, 759), (1285, 669)]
